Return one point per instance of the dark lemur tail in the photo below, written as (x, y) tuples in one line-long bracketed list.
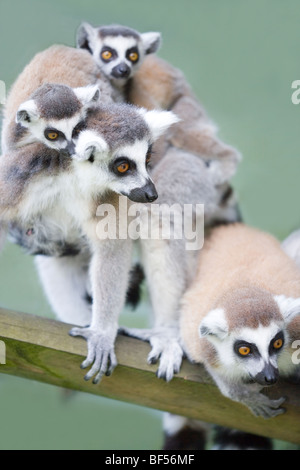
[(231, 439), (134, 291)]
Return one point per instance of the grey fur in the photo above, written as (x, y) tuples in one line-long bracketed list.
[(119, 125), (185, 179), (56, 101), (118, 30)]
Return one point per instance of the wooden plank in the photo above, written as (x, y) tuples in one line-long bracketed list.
[(41, 349)]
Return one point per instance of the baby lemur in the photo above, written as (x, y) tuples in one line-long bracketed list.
[(150, 82), (39, 101), (241, 315)]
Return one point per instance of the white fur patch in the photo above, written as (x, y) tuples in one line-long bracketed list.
[(288, 306), (90, 142), (87, 95), (214, 323), (158, 121)]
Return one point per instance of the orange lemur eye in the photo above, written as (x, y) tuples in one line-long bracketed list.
[(133, 56), (106, 55), (123, 167), (244, 350), (52, 135), (278, 343)]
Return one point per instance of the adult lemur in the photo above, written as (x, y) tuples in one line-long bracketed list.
[(242, 314), (239, 318), (63, 194)]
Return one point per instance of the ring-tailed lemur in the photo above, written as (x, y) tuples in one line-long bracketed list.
[(153, 83), (111, 159), (118, 51), (31, 107), (241, 315)]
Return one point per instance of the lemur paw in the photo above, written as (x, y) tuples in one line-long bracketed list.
[(263, 406), (165, 349), (101, 354)]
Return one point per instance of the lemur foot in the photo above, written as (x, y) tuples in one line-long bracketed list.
[(165, 349), (263, 406), (101, 354)]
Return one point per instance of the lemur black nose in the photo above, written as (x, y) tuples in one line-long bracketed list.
[(270, 380), (151, 197), (121, 71), (268, 376), (145, 194)]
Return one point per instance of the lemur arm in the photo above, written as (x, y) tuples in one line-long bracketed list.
[(249, 395), (109, 272), (65, 282)]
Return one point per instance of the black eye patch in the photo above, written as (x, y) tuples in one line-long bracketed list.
[(133, 55), (123, 166), (107, 54), (53, 134), (276, 343), (80, 127), (244, 349)]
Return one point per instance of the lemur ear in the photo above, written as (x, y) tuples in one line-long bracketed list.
[(289, 307), (158, 121), (85, 37), (291, 246), (214, 324), (88, 145), (88, 95), (151, 42), (27, 113)]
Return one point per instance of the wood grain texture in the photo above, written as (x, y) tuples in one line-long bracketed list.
[(41, 349)]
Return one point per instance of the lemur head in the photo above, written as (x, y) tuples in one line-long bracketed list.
[(117, 148), (249, 334), (119, 51), (55, 114)]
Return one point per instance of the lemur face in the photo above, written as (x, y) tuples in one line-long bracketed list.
[(56, 114), (255, 352), (120, 161), (252, 353), (118, 51)]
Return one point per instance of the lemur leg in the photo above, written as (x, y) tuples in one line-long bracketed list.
[(109, 273), (65, 282), (165, 267)]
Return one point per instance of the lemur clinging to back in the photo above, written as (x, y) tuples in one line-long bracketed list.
[(118, 51), (153, 83), (34, 108), (242, 313)]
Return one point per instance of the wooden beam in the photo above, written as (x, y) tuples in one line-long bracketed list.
[(41, 349)]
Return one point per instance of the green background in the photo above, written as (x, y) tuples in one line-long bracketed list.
[(240, 58)]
